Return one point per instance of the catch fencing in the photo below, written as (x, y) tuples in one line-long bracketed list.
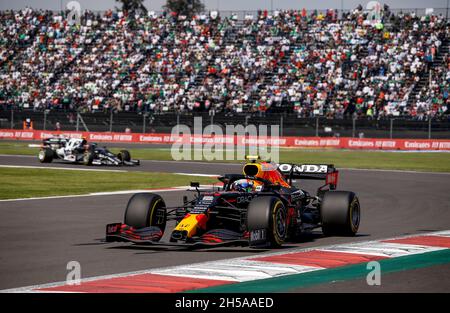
[(289, 124)]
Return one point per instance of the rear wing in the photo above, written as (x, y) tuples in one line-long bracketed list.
[(325, 172), (54, 142)]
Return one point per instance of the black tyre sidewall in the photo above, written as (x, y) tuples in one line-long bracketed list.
[(48, 155), (124, 156), (277, 239), (263, 214), (88, 158), (337, 211), (141, 211)]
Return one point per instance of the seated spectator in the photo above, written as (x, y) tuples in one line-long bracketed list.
[(311, 64)]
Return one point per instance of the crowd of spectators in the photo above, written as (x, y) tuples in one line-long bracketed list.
[(116, 47), (28, 80), (307, 63), (395, 63), (432, 99), (178, 58), (17, 29)]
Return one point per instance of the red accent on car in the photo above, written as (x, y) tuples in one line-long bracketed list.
[(290, 214), (332, 178), (211, 238), (202, 219)]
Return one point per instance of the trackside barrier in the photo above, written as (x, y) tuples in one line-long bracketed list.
[(300, 142)]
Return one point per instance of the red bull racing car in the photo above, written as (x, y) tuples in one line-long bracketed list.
[(258, 208)]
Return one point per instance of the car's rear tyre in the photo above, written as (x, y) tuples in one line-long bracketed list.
[(144, 210), (268, 213), (45, 155), (341, 213), (124, 156), (88, 157)]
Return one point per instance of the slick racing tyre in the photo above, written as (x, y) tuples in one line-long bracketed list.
[(124, 156), (341, 213), (45, 155), (88, 158), (268, 213), (144, 210)]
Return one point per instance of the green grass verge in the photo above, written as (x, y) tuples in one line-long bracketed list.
[(417, 161), (28, 183), (19, 148)]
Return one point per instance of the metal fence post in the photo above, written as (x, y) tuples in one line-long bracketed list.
[(111, 121), (12, 118), (78, 121), (391, 128), (45, 119), (144, 117), (212, 113), (317, 126), (429, 128), (353, 126), (281, 126), (178, 123)]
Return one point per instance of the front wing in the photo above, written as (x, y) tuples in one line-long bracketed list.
[(114, 161), (150, 236)]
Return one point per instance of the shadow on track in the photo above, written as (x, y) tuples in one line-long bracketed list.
[(304, 238)]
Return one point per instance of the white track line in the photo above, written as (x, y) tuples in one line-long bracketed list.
[(62, 168), (98, 194), (248, 264), (18, 155), (163, 161), (237, 270), (385, 249), (196, 174), (196, 162), (239, 164), (391, 171), (444, 233), (120, 192)]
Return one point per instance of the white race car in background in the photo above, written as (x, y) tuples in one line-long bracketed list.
[(77, 150)]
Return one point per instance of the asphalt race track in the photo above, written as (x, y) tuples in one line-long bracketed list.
[(39, 237), (147, 166)]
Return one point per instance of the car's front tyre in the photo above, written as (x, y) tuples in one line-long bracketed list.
[(144, 210), (45, 155), (268, 213), (88, 158)]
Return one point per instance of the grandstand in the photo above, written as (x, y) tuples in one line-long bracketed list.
[(295, 62)]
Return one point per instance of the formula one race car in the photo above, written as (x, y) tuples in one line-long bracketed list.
[(77, 150), (259, 208)]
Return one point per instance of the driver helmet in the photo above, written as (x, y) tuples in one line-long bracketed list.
[(245, 185)]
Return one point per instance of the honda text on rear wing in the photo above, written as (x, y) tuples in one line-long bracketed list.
[(325, 172)]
